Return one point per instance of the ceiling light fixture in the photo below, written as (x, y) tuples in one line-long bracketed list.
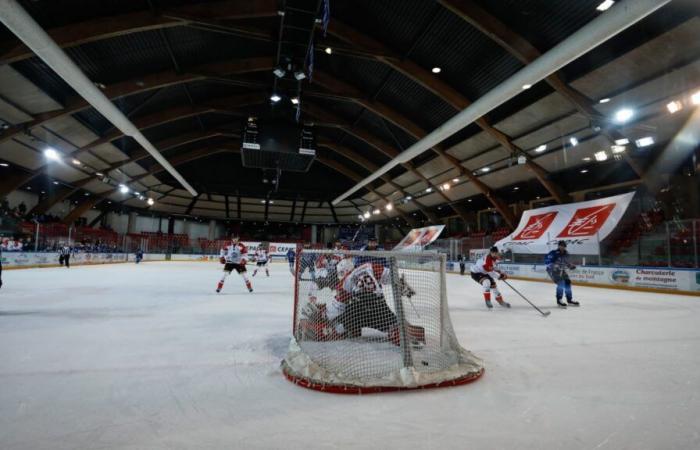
[(605, 5), (674, 106), (587, 158), (455, 180), (150, 202), (4, 164), (541, 148), (436, 70), (584, 170), (295, 100), (299, 75), (279, 72), (76, 162), (124, 189), (389, 206), (51, 154), (623, 115), (600, 156), (526, 86), (429, 189), (604, 100), (623, 141), (573, 141), (376, 212), (329, 50), (695, 98), (446, 187), (485, 169), (618, 148), (275, 98), (367, 214), (645, 141)]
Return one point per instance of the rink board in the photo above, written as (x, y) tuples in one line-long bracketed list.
[(649, 279), (21, 260)]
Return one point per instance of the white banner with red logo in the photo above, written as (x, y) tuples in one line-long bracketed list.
[(582, 225), (418, 238)]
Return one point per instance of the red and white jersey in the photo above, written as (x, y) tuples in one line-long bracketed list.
[(261, 255), (488, 265), (234, 253)]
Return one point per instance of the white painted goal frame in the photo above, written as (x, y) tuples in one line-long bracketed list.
[(410, 343)]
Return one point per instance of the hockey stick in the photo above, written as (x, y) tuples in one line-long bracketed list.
[(544, 313)]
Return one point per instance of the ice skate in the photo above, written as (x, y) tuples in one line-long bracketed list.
[(561, 304), (572, 302), (489, 305)]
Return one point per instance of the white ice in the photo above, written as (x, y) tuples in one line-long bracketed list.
[(150, 357)]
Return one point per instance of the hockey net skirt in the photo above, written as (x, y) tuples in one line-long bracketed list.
[(374, 321)]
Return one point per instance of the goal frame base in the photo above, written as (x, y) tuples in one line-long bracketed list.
[(358, 390)]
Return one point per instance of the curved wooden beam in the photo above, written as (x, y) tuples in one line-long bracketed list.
[(348, 153), (442, 90), (144, 84), (340, 168), (224, 105), (523, 50), (193, 155), (354, 94), (98, 29), (165, 145), (388, 150)]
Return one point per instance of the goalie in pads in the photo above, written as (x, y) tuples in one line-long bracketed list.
[(359, 303)]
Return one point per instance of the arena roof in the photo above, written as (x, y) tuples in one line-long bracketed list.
[(384, 74)]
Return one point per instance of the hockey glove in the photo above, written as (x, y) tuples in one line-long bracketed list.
[(222, 260), (503, 276)]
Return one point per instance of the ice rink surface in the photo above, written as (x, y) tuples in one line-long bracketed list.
[(150, 357)]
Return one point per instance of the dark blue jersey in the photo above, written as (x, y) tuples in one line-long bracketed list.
[(556, 259), (291, 254)]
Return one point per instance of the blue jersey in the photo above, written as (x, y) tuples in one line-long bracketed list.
[(557, 259), (291, 255)]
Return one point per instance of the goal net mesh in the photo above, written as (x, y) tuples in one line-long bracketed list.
[(372, 321)]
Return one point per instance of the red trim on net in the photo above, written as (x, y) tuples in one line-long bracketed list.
[(348, 389)]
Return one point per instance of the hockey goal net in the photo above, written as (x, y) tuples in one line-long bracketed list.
[(374, 321)]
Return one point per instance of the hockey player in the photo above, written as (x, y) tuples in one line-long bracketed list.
[(261, 260), (233, 256), (359, 303), (139, 255), (307, 261), (291, 256), (557, 263), (485, 272), (64, 256)]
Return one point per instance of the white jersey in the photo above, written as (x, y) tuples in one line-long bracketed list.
[(487, 265), (234, 253), (261, 255)]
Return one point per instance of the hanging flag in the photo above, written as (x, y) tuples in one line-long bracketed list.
[(326, 17), (310, 58)]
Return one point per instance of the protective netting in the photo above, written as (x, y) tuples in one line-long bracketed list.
[(369, 321)]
